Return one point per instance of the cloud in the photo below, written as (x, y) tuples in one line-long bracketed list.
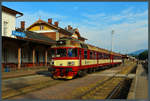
[(128, 10), (130, 34), (93, 16), (125, 15)]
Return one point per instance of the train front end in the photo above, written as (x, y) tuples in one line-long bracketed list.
[(64, 63)]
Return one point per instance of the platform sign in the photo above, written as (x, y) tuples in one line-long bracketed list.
[(20, 34)]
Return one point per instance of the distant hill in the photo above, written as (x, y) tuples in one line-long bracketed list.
[(137, 52)]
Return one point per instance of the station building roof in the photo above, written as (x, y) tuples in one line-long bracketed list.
[(51, 25), (36, 37), (11, 11)]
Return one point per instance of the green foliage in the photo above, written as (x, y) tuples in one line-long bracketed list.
[(143, 55)]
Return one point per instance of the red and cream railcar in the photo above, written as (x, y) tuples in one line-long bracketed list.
[(70, 57)]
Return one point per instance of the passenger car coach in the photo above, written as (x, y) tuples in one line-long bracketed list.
[(70, 58)]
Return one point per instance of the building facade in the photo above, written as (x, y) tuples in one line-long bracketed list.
[(9, 20), (21, 48)]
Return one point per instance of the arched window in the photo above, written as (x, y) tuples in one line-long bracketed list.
[(41, 27)]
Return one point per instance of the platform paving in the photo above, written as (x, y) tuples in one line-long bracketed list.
[(23, 72), (139, 86)]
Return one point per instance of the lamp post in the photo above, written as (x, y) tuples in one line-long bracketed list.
[(111, 45), (112, 32)]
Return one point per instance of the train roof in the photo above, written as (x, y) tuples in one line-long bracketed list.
[(91, 47)]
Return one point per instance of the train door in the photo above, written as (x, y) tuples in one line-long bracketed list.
[(80, 56), (97, 56), (112, 59), (85, 57)]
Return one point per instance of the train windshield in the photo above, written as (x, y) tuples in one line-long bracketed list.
[(72, 52), (61, 53)]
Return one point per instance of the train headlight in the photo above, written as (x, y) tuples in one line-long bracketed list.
[(72, 63), (52, 62)]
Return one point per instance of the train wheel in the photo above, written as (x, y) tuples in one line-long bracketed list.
[(93, 69), (81, 73), (84, 72)]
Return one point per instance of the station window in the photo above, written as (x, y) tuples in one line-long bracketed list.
[(5, 28)]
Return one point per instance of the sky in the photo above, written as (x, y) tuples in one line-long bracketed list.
[(95, 21)]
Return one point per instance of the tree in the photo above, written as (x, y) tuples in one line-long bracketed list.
[(143, 55)]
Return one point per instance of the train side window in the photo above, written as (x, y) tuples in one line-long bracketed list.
[(79, 52), (108, 56), (85, 54), (104, 56), (95, 55), (91, 53), (100, 56)]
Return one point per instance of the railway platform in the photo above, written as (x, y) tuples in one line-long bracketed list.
[(23, 72), (139, 86)]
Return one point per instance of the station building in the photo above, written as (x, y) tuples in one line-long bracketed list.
[(28, 47), (22, 48)]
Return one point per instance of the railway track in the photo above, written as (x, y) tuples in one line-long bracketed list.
[(108, 88), (105, 90), (17, 86)]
